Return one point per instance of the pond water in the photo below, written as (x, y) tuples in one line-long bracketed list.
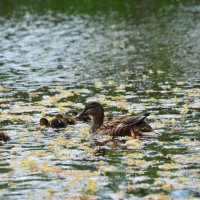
[(131, 56)]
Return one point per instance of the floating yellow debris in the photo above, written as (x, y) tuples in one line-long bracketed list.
[(30, 164), (160, 72), (151, 71), (122, 86), (186, 101), (109, 168), (59, 87), (98, 84), (133, 144), (175, 100), (165, 173), (125, 73), (183, 179), (136, 163), (159, 182), (169, 166), (111, 82), (92, 186), (82, 90), (121, 104), (149, 91), (3, 89), (152, 99), (180, 83), (47, 168), (144, 77), (159, 196), (40, 153), (185, 140), (167, 187), (23, 140), (83, 197), (61, 108), (4, 105), (120, 97), (130, 187), (84, 147), (84, 132), (134, 155), (66, 94), (62, 142), (33, 95), (51, 191), (105, 101), (194, 128)]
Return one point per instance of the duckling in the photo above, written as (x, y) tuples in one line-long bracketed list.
[(83, 118), (124, 126), (54, 123), (68, 120), (4, 137)]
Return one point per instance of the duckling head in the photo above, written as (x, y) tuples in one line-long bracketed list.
[(44, 122)]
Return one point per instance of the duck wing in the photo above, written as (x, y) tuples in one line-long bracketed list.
[(131, 120), (121, 126)]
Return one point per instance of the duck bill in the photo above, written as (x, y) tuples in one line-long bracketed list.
[(80, 116)]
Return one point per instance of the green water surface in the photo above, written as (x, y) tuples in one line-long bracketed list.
[(133, 56)]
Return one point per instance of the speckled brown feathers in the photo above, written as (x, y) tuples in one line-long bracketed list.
[(125, 126)]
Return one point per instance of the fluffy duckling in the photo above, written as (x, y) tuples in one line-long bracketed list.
[(83, 118), (54, 123), (68, 120), (125, 126), (4, 137)]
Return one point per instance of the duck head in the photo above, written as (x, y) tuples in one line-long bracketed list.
[(95, 110)]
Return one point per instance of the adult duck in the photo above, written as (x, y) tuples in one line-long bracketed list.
[(124, 126)]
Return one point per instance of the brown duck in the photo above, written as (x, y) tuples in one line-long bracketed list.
[(4, 137), (125, 126)]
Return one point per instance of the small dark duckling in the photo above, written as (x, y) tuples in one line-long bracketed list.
[(4, 137), (68, 120), (54, 123), (124, 126)]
